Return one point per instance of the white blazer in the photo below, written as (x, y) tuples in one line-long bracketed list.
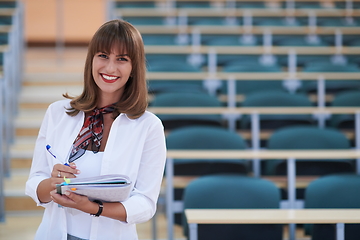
[(135, 147)]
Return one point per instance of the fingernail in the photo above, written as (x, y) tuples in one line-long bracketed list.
[(78, 172), (67, 193)]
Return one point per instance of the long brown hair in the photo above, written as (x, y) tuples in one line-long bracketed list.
[(134, 99)]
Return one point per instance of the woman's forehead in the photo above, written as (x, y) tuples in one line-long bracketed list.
[(116, 49)]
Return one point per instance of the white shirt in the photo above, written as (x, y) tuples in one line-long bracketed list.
[(135, 147), (78, 222)]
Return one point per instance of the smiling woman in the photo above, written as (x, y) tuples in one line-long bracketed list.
[(96, 134), (111, 72)]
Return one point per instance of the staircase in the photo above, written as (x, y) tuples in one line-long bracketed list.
[(47, 75)]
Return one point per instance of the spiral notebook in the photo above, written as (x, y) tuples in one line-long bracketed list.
[(108, 188)]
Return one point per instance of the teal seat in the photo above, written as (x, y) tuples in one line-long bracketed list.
[(219, 21), (187, 99), (204, 137), (307, 138), (326, 67), (193, 4), (157, 39), (334, 191), (275, 98), (175, 86), (331, 86), (223, 41), (345, 99), (250, 66), (250, 4), (300, 41), (145, 20), (273, 21), (135, 4), (233, 192), (172, 65)]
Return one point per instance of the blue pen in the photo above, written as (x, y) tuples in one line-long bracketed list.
[(52, 154)]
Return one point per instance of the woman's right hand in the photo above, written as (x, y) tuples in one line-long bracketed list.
[(60, 171), (57, 176)]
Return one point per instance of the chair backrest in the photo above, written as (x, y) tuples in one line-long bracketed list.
[(187, 99), (325, 67), (309, 137), (334, 191), (345, 99), (277, 98), (206, 138), (230, 192)]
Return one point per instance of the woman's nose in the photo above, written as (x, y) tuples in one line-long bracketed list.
[(111, 67)]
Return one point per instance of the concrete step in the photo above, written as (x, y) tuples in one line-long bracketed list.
[(21, 152), (30, 96), (14, 191)]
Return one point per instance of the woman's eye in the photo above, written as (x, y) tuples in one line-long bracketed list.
[(102, 56), (123, 59)]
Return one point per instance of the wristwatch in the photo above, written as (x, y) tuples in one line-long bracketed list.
[(101, 206)]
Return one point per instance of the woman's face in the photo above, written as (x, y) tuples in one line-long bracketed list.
[(111, 72)]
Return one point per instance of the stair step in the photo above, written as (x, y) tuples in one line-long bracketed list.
[(14, 191)]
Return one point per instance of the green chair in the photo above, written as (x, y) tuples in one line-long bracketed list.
[(331, 86), (187, 99), (204, 138), (276, 98), (308, 138), (345, 99), (233, 192), (333, 191)]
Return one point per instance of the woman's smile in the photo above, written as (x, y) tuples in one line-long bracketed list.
[(109, 78)]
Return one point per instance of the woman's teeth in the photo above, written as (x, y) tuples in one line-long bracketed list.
[(109, 78)]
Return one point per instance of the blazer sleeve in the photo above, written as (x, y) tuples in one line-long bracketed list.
[(141, 206)]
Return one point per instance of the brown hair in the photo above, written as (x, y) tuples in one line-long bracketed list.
[(134, 99)]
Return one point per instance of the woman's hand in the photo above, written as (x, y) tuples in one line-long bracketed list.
[(73, 200), (57, 176), (60, 171)]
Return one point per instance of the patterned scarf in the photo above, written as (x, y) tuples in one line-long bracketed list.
[(91, 132)]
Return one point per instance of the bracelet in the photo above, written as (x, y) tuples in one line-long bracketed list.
[(101, 206)]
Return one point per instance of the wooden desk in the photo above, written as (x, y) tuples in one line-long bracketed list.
[(250, 50), (238, 12), (271, 216), (190, 76), (251, 110)]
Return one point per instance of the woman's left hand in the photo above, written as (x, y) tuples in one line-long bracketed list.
[(72, 200)]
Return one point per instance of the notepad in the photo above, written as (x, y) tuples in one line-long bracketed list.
[(108, 188)]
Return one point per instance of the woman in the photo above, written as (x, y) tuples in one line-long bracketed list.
[(104, 130)]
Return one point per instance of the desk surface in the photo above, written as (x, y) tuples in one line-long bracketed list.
[(264, 154), (251, 110), (251, 50), (277, 216), (190, 76)]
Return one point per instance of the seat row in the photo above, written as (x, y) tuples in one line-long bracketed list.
[(210, 138), (256, 99), (340, 4), (242, 192)]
